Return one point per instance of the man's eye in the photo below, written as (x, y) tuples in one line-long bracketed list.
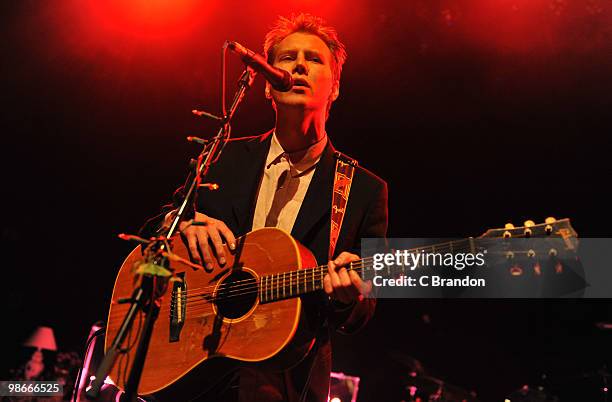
[(286, 57)]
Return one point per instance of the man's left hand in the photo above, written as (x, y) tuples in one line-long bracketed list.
[(345, 286)]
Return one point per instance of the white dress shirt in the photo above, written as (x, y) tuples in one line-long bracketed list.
[(285, 180)]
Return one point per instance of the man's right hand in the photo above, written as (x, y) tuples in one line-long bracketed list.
[(198, 239)]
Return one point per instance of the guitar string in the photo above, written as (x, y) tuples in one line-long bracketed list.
[(275, 288), (448, 248), (440, 247), (201, 305), (195, 304), (301, 270), (195, 292), (251, 290), (252, 284), (272, 290), (246, 288)]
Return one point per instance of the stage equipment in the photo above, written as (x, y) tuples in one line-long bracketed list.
[(343, 388), (94, 352)]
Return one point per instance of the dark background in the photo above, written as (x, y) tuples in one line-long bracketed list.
[(477, 113)]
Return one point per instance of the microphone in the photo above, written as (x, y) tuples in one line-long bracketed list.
[(280, 80)]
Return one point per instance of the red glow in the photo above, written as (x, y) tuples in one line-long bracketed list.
[(322, 8), (514, 25), (117, 36), (148, 18)]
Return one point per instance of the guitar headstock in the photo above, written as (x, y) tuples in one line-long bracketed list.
[(550, 228), (528, 246)]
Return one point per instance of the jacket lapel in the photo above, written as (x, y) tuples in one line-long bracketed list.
[(317, 202), (243, 202)]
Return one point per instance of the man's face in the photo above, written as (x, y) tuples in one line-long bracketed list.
[(308, 59)]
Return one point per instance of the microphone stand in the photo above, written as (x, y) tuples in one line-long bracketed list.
[(244, 83), (147, 296)]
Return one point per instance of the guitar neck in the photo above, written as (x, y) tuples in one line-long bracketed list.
[(286, 285)]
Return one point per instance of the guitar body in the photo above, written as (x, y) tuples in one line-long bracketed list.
[(197, 340)]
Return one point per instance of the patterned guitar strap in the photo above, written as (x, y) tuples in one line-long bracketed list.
[(345, 168), (343, 177)]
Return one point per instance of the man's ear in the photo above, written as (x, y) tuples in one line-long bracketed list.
[(267, 91), (335, 90)]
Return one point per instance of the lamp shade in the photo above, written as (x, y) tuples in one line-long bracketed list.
[(42, 338)]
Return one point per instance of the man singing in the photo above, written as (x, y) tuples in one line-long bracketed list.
[(285, 179)]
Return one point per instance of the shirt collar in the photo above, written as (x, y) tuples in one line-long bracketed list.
[(302, 160)]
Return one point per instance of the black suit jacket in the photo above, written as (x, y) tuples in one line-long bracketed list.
[(238, 173)]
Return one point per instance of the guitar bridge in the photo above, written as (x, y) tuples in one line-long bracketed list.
[(178, 304)]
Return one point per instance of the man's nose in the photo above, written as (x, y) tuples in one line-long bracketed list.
[(300, 66)]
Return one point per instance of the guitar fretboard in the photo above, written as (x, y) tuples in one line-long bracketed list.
[(286, 285), (290, 284)]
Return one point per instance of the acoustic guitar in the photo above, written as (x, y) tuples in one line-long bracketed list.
[(247, 312)]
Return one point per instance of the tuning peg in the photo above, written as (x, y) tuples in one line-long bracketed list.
[(528, 225), (549, 221), (507, 233)]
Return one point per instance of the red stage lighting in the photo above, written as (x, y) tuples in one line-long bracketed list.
[(147, 18)]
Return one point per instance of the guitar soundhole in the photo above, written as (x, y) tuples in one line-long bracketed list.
[(236, 295)]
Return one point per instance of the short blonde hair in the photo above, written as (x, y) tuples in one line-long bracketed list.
[(311, 24)]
